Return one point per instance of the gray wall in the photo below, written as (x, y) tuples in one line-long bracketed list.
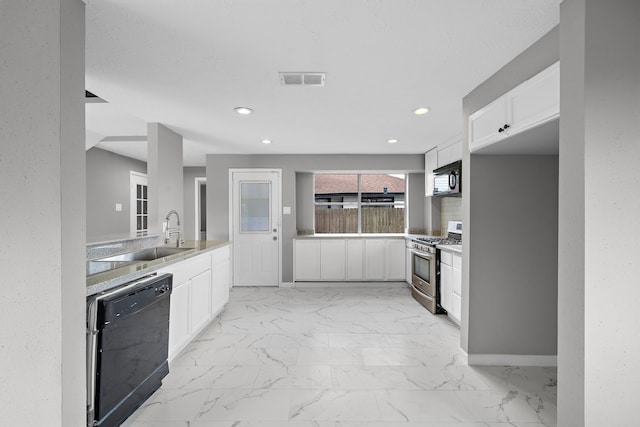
[(189, 191), (304, 202), (218, 166), (571, 219), (42, 309), (480, 315), (415, 204), (513, 271), (165, 173), (599, 353), (107, 184)]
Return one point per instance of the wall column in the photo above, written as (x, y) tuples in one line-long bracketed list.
[(598, 355), (165, 175), (42, 194)]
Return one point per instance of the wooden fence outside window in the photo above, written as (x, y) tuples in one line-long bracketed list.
[(374, 220)]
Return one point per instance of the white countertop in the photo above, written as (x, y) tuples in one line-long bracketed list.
[(456, 249), (353, 236)]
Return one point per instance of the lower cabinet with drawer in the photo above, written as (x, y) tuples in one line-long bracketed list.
[(349, 259), (200, 291), (451, 284)]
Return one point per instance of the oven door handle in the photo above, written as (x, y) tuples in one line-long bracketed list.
[(425, 255)]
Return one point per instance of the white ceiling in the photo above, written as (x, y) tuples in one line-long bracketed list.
[(187, 64)]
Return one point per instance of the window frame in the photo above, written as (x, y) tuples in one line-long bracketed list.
[(359, 204)]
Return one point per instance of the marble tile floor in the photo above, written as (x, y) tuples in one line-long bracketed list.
[(340, 357)]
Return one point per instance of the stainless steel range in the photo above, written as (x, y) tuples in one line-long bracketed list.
[(425, 261)]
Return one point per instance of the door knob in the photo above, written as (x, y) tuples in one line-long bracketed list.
[(275, 238)]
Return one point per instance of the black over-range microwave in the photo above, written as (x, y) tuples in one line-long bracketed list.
[(447, 180)]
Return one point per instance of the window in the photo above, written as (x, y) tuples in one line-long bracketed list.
[(359, 203)]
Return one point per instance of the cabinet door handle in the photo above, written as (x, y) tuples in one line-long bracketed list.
[(500, 130), (506, 126)]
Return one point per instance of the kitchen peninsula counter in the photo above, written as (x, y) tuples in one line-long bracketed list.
[(109, 279)]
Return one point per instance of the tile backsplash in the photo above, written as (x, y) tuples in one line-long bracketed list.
[(450, 210)]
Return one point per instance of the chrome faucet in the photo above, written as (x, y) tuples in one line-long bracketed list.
[(170, 232)]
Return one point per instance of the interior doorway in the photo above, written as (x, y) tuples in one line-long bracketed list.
[(138, 203), (200, 208)]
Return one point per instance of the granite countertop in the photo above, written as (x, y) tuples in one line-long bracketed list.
[(134, 270), (456, 249)]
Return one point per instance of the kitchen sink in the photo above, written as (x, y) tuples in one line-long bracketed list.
[(149, 254), (95, 266)]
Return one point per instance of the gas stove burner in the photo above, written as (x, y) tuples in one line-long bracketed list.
[(429, 240), (449, 241), (432, 241)]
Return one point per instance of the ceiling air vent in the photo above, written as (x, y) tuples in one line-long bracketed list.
[(302, 79)]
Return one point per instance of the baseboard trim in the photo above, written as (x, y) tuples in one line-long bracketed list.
[(344, 285), (511, 360)]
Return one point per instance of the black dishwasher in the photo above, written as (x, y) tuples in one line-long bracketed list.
[(127, 348)]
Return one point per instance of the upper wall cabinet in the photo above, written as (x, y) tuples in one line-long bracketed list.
[(445, 153), (529, 105), (430, 163), (450, 151)]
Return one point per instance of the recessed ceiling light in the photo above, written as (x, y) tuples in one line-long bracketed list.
[(420, 111), (243, 110), (392, 141), (266, 141)]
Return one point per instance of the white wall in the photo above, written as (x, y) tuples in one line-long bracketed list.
[(599, 195), (165, 174), (42, 340)]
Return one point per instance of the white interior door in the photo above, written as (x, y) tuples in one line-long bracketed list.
[(256, 228)]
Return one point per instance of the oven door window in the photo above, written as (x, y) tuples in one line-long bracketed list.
[(422, 268)]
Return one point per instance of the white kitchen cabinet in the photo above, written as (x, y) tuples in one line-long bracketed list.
[(355, 259), (220, 279), (430, 163), (374, 259), (484, 124), (530, 104), (535, 101), (446, 286), (456, 307), (394, 262), (332, 259), (451, 284), (307, 259), (407, 262), (199, 294), (385, 259), (349, 259), (200, 304), (450, 152), (178, 318)]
